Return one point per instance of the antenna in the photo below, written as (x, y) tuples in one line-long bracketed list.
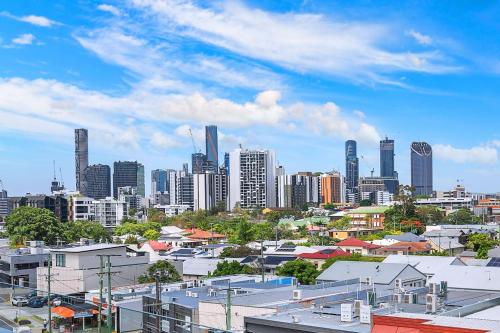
[(372, 172), (62, 180)]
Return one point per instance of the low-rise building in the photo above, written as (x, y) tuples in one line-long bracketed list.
[(371, 217), (319, 258), (429, 265), (19, 266), (77, 268), (405, 248), (354, 245)]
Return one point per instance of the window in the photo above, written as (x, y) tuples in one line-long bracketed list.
[(60, 260)]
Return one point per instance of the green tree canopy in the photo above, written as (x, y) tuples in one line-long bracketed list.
[(429, 214), (341, 224), (151, 234), (29, 223), (462, 216), (231, 268), (481, 243), (86, 229), (137, 229), (167, 271), (304, 271), (262, 231), (238, 252)]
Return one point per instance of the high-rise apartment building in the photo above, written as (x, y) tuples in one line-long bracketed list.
[(212, 148), (81, 157), (332, 188), (58, 204), (226, 164), (351, 166), (110, 212), (129, 195), (252, 179), (98, 180), (198, 163), (159, 181), (4, 204), (421, 168), (209, 190), (387, 158), (291, 191), (127, 173)]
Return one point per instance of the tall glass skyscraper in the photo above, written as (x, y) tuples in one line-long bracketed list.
[(98, 181), (387, 158), (128, 173), (159, 181), (81, 158), (212, 148), (421, 168), (351, 166)]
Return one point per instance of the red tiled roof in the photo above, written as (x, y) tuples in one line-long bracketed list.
[(412, 246), (159, 246), (324, 254), (202, 234), (354, 242)]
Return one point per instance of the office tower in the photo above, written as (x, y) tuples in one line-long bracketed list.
[(159, 181), (387, 158), (198, 163), (185, 168), (226, 163), (421, 168), (211, 148), (209, 190), (127, 173), (98, 180), (332, 188), (58, 204), (4, 204), (81, 157), (252, 179), (351, 166)]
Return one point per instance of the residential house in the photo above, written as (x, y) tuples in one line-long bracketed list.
[(405, 248), (371, 217), (319, 258), (354, 245), (428, 265)]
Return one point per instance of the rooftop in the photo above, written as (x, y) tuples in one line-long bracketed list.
[(369, 210), (469, 277), (87, 248), (354, 242), (425, 264)]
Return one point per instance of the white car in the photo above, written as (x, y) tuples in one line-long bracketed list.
[(19, 301)]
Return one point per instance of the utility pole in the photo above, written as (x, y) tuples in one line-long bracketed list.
[(101, 283), (109, 319), (158, 301), (262, 258), (49, 279), (228, 307)]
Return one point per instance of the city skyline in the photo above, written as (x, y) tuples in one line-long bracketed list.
[(139, 86)]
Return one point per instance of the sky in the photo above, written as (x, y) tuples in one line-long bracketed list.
[(299, 77)]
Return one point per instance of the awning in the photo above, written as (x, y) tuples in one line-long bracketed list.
[(63, 311)]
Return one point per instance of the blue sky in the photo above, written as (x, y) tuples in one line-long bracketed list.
[(299, 77)]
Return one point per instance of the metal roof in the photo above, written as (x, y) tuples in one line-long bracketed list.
[(425, 264), (469, 277), (86, 248)]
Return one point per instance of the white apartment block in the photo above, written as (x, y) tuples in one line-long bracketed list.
[(75, 269), (110, 212), (172, 210), (252, 180), (209, 189), (82, 208)]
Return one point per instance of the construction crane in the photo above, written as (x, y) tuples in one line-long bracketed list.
[(197, 160), (372, 172), (195, 149), (60, 175)]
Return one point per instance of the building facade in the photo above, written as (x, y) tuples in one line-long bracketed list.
[(81, 158), (127, 173), (209, 190), (4, 205), (198, 163), (387, 158), (159, 181), (351, 166), (110, 212), (252, 180), (212, 148), (57, 204), (332, 188), (98, 180), (421, 168)]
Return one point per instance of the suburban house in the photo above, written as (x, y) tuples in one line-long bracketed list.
[(405, 248), (376, 273), (351, 232), (372, 217), (204, 236), (429, 265), (319, 258), (77, 268), (354, 245), (157, 250)]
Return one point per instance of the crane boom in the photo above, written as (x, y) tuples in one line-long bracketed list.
[(192, 140)]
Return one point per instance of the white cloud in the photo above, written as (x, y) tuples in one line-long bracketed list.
[(420, 38), (110, 9), (119, 120), (479, 154), (301, 42), (24, 39), (40, 21)]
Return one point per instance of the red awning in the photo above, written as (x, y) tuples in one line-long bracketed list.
[(63, 311)]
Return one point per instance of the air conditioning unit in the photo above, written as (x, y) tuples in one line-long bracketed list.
[(195, 295), (212, 293), (357, 306), (398, 298), (365, 316), (384, 305), (398, 284), (297, 294), (346, 312), (188, 293), (434, 288), (431, 303)]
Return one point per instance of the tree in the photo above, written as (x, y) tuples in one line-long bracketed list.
[(86, 229), (341, 224), (29, 223), (151, 234), (429, 214), (304, 271), (167, 271), (231, 268), (243, 233), (365, 203), (481, 243), (156, 215), (262, 230), (238, 252), (462, 216), (329, 206)]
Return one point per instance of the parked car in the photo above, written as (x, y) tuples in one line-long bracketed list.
[(35, 302), (19, 301), (54, 300)]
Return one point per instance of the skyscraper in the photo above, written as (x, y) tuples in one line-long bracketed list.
[(198, 163), (128, 173), (387, 158), (421, 168), (159, 181), (351, 166), (212, 148), (81, 157), (98, 180), (253, 178), (226, 163)]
